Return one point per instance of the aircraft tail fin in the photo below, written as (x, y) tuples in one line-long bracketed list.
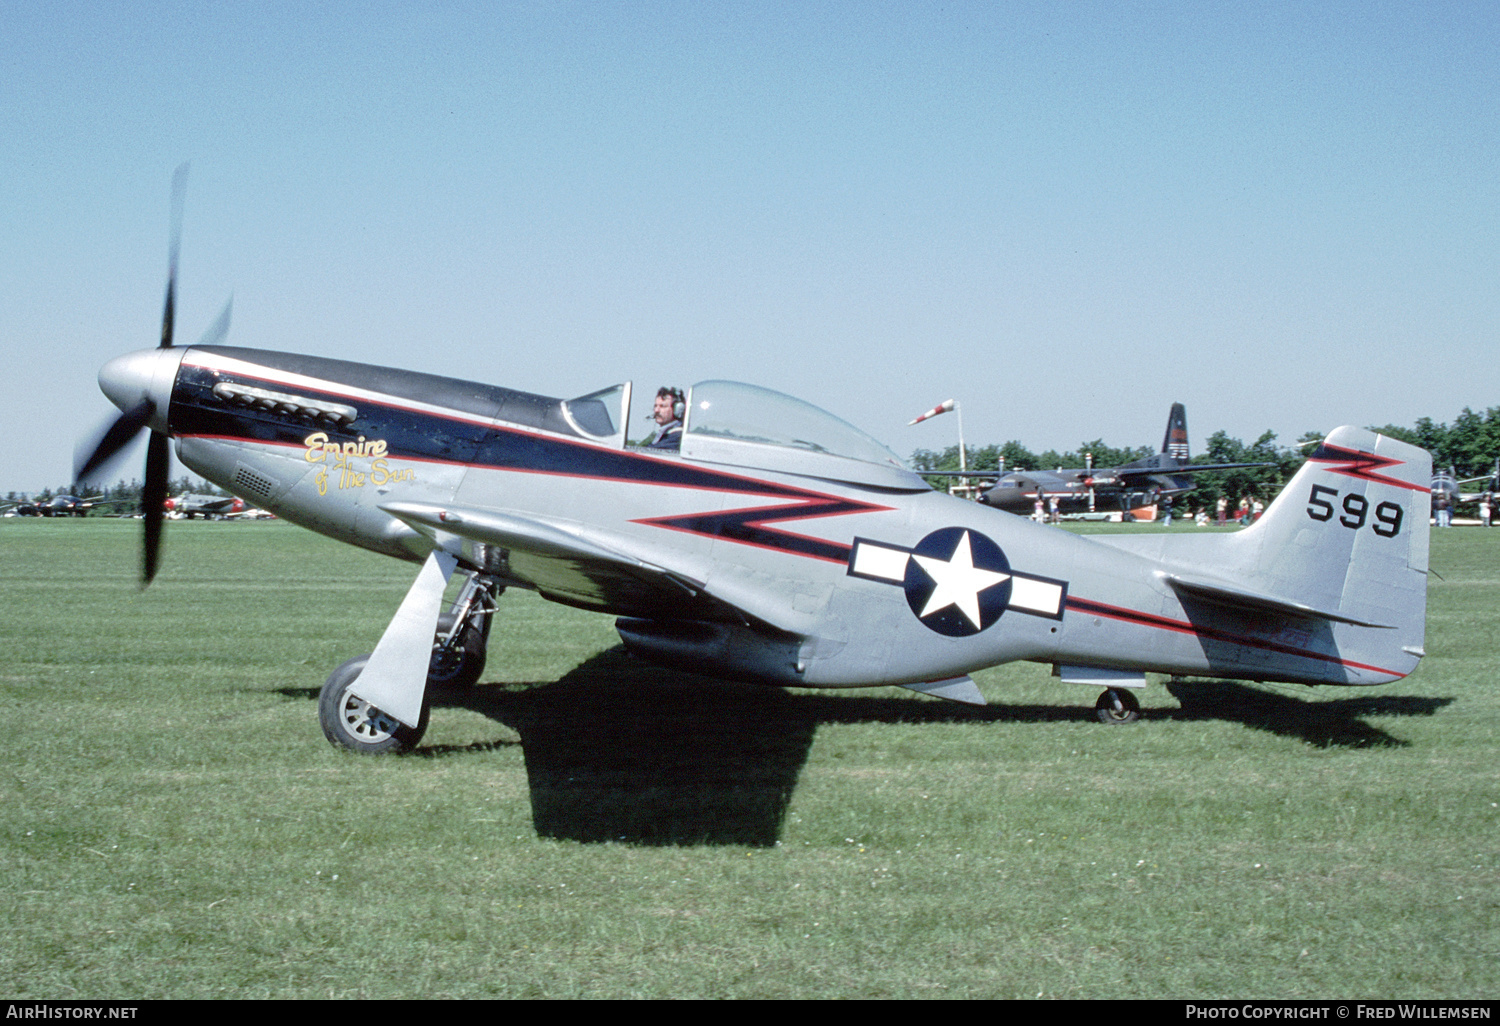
[(1347, 539), (1174, 448), (1175, 444)]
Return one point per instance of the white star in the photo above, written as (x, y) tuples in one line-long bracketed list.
[(958, 580)]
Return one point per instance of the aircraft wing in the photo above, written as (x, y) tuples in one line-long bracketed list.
[(1464, 496), (1130, 474), (569, 563)]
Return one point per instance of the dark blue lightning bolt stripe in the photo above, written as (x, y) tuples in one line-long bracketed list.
[(750, 526), (1361, 465), (441, 424)]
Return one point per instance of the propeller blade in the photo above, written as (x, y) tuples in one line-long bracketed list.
[(153, 503), (219, 329), (169, 314), (116, 437), (158, 457)]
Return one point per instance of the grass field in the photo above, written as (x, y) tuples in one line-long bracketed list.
[(175, 825)]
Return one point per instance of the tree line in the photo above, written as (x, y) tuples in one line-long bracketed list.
[(1469, 446)]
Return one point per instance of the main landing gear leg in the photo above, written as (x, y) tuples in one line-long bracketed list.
[(379, 705), (463, 633), (352, 708)]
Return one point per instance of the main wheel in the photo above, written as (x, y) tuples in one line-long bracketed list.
[(463, 662), (1117, 706), (350, 722)]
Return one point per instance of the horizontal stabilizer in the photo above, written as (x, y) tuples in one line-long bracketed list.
[(1237, 597)]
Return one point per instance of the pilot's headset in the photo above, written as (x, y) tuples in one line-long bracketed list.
[(679, 402)]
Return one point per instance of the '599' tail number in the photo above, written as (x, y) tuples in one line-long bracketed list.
[(1355, 511)]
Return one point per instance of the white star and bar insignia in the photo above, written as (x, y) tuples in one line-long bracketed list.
[(957, 581)]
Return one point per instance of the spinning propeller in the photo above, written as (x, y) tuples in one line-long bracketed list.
[(129, 381)]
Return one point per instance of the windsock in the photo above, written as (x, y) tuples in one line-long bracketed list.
[(944, 407)]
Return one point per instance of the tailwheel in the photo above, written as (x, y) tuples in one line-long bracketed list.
[(350, 722), (1117, 706)]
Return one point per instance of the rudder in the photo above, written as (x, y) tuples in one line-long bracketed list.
[(1175, 443)]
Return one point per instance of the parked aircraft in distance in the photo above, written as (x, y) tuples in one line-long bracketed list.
[(1446, 483), (189, 506), (1142, 482), (59, 506)]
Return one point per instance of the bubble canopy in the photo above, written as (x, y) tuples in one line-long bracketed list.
[(728, 421)]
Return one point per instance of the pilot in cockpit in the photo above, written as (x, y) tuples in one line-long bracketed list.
[(668, 411)]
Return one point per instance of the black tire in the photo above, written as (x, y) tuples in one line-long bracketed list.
[(463, 664), (1117, 707), (352, 723)]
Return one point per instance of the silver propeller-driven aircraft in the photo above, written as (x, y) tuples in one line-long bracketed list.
[(779, 545), (191, 505)]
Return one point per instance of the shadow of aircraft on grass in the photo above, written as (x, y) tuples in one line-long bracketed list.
[(1339, 723), (620, 750)]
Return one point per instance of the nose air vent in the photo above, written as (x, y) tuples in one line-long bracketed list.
[(288, 405), (251, 482)]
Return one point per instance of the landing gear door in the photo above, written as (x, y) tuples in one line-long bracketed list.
[(603, 416)]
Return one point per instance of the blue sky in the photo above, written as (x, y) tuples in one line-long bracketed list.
[(1065, 215)]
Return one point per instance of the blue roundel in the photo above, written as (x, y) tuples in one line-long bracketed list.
[(957, 581)]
